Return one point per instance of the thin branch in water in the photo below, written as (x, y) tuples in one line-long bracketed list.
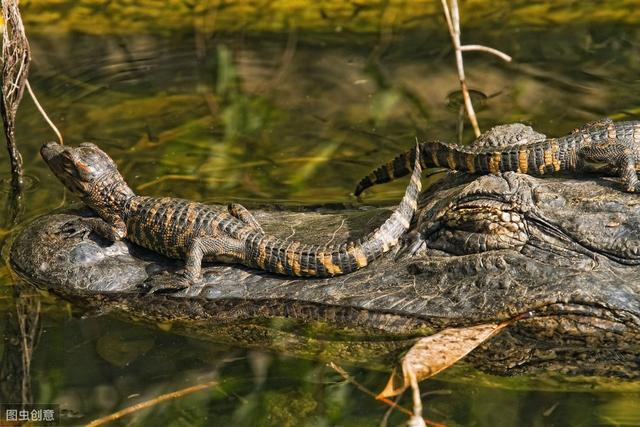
[(14, 204), (43, 112), (415, 394), (385, 419), (487, 49), (452, 15), (348, 378), (15, 68), (149, 403), (447, 17)]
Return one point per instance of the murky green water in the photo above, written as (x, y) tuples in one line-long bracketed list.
[(289, 112)]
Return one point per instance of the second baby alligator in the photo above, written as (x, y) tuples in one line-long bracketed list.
[(615, 144), (195, 232)]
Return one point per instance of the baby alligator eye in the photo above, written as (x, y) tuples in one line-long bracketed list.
[(67, 162)]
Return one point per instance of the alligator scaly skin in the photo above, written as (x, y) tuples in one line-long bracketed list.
[(614, 143), (195, 232)]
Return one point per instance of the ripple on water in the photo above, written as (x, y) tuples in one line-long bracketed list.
[(455, 99), (31, 183)]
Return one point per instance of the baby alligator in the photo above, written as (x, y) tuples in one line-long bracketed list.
[(195, 232), (616, 144)]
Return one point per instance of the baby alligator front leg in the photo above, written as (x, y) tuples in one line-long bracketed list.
[(210, 246), (113, 230)]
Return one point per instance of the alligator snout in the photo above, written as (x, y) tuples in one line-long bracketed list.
[(49, 150)]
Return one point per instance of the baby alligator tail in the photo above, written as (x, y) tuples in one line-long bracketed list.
[(538, 158), (293, 258)]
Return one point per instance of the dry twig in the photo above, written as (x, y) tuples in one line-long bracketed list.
[(452, 16), (344, 374), (16, 57), (149, 403), (487, 49), (15, 68), (44, 113)]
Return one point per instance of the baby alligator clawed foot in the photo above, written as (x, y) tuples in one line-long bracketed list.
[(75, 227)]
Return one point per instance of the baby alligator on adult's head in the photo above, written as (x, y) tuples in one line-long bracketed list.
[(518, 148), (195, 232)]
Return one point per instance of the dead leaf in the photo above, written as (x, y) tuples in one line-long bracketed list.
[(435, 353)]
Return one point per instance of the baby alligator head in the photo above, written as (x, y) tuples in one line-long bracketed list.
[(87, 172)]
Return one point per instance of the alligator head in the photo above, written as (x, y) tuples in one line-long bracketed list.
[(89, 173)]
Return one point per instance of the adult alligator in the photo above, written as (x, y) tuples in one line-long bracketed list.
[(564, 250)]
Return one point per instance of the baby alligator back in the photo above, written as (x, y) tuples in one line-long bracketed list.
[(615, 143), (195, 232)]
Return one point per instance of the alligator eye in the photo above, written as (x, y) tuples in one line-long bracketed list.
[(67, 163), (69, 169)]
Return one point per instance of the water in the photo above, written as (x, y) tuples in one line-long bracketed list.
[(274, 111)]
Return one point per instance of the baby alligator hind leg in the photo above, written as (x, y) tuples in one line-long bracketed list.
[(238, 211), (617, 155)]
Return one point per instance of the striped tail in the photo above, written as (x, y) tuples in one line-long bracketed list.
[(396, 168), (294, 258), (403, 164), (538, 158)]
